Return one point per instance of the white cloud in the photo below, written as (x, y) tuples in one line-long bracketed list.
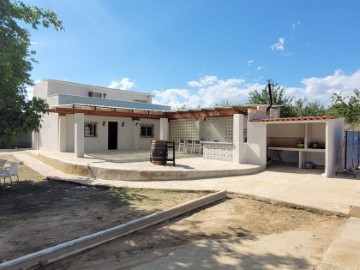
[(236, 90), (207, 80), (279, 46), (295, 24), (123, 84), (38, 43), (260, 68), (208, 91), (250, 62)]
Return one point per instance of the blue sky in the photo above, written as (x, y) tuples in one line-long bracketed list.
[(201, 51)]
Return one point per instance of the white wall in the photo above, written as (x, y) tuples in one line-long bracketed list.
[(288, 129), (334, 142), (256, 150), (60, 87), (70, 133), (48, 135), (40, 89), (217, 128), (145, 143)]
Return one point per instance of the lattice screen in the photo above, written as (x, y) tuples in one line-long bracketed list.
[(182, 129), (228, 128)]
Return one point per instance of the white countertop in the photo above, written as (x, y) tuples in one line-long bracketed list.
[(211, 142)]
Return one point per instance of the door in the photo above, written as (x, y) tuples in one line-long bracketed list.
[(112, 135)]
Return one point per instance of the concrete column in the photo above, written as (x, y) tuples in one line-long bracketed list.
[(35, 140), (256, 143), (199, 125), (62, 134), (79, 134), (239, 152), (136, 134), (164, 129)]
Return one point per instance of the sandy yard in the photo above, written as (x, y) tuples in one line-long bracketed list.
[(37, 214)]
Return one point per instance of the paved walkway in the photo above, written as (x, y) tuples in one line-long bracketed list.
[(295, 186)]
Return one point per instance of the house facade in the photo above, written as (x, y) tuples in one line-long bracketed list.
[(106, 118), (85, 118)]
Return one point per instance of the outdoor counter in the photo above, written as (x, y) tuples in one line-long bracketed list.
[(218, 150)]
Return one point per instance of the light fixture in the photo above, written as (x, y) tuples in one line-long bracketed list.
[(104, 123), (122, 124), (136, 123)]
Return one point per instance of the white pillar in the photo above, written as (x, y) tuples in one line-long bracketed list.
[(62, 133), (136, 134), (79, 134), (239, 152), (199, 125), (164, 129), (35, 140)]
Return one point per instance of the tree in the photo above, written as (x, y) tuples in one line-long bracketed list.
[(302, 107), (278, 98), (346, 107), (17, 114)]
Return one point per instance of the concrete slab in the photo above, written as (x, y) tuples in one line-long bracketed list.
[(344, 252), (124, 167)]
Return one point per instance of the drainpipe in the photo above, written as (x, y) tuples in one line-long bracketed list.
[(270, 95)]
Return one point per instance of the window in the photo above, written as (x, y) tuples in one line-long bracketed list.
[(146, 131), (90, 129), (140, 100)]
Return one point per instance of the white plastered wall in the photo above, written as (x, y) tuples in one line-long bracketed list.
[(334, 142), (59, 87), (256, 142), (145, 143), (217, 128), (48, 135)]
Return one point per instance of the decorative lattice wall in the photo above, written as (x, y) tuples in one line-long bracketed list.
[(183, 129), (229, 128)]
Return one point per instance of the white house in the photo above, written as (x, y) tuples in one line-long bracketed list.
[(84, 117), (89, 118)]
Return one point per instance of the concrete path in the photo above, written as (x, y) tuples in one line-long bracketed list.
[(344, 252), (301, 187)]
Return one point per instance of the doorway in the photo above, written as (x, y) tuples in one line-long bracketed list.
[(112, 135)]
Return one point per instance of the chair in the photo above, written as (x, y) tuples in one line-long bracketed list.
[(10, 171), (196, 147), (182, 144), (2, 163), (189, 145)]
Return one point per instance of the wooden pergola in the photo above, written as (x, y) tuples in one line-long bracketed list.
[(196, 114)]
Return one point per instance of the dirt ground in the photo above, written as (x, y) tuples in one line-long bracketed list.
[(35, 215)]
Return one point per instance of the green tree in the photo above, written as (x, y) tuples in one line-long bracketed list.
[(346, 107), (278, 98), (17, 114), (302, 107)]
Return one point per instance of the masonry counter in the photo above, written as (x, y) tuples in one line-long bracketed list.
[(301, 152), (218, 150)]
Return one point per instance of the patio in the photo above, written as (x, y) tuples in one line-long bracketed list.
[(135, 166)]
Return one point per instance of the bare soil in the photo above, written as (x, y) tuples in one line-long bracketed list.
[(38, 214)]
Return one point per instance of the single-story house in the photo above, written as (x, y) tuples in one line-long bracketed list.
[(88, 118)]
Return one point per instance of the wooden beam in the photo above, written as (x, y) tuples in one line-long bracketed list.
[(122, 113)]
